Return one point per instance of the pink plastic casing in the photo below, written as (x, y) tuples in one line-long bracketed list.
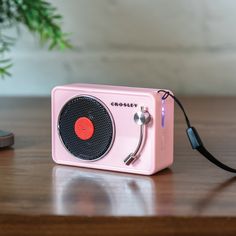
[(157, 149)]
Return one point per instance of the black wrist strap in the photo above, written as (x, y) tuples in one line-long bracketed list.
[(194, 137)]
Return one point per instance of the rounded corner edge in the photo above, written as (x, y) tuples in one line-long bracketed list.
[(53, 91)]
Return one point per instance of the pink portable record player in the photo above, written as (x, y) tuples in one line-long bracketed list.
[(112, 128)]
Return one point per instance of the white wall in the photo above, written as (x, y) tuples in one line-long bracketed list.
[(188, 46)]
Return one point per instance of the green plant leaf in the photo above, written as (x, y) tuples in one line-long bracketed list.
[(40, 17)]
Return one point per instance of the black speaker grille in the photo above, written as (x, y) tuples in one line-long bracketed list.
[(100, 142)]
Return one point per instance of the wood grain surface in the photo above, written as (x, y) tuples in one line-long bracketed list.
[(193, 197)]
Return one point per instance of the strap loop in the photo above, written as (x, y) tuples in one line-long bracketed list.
[(194, 137)]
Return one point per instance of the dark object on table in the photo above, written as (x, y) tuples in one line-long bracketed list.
[(6, 139)]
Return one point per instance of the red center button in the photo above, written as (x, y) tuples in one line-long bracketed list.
[(84, 128)]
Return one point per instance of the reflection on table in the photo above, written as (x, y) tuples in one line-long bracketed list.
[(80, 191)]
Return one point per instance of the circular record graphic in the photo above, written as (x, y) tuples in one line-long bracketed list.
[(86, 128)]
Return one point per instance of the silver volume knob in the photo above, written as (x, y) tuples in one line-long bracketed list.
[(142, 117)]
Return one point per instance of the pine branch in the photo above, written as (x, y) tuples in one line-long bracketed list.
[(40, 18), (5, 64)]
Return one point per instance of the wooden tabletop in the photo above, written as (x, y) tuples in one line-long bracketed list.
[(193, 196)]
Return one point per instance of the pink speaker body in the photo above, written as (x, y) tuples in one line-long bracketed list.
[(157, 148)]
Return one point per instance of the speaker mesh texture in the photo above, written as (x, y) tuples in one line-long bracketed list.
[(100, 142)]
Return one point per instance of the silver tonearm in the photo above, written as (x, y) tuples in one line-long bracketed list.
[(141, 118)]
